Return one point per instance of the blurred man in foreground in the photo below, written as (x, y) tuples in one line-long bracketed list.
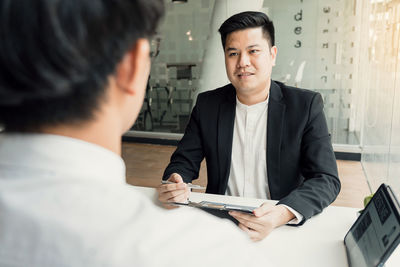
[(72, 80)]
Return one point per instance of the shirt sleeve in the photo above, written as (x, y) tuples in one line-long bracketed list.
[(298, 218)]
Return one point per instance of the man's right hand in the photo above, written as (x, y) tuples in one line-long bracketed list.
[(177, 191)]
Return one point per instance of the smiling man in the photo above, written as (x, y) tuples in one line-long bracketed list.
[(260, 138), (249, 59)]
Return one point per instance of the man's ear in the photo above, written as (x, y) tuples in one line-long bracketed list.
[(133, 70), (274, 52)]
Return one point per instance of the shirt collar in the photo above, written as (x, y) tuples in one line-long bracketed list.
[(258, 106), (54, 154)]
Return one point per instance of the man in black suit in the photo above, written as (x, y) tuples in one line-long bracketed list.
[(260, 138)]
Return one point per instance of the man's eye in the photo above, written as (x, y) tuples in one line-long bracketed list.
[(253, 51), (233, 54)]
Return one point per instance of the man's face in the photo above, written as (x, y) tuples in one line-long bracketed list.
[(249, 60)]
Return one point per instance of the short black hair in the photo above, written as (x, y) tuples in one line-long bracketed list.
[(246, 20), (56, 56)]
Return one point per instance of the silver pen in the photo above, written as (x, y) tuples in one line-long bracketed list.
[(190, 185)]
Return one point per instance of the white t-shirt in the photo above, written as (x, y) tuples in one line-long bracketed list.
[(64, 202)]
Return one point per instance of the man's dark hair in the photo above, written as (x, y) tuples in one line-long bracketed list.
[(246, 20), (56, 56)]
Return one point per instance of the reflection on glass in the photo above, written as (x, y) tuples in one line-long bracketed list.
[(177, 52), (348, 51), (317, 49), (380, 78)]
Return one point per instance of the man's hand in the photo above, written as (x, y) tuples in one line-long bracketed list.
[(265, 219), (177, 191)]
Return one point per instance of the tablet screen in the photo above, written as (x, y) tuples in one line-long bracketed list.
[(376, 233)]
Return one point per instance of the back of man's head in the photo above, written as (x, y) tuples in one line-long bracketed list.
[(246, 20), (56, 56)]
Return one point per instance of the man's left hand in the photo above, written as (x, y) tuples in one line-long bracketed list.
[(266, 218)]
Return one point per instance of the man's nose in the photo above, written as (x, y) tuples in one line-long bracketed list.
[(244, 60)]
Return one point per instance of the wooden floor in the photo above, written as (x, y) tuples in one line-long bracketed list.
[(145, 165)]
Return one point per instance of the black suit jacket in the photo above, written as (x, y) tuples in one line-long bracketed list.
[(301, 165)]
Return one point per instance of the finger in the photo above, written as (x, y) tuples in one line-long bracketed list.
[(178, 198), (254, 235), (172, 194), (171, 187), (238, 214), (244, 228), (251, 225), (242, 217), (165, 196), (169, 206), (250, 221), (160, 190), (176, 178), (263, 209), (179, 180)]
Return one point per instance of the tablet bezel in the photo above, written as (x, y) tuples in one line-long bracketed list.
[(394, 205)]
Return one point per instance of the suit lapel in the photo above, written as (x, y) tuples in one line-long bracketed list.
[(276, 117), (226, 120)]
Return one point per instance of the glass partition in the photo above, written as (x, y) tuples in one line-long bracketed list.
[(379, 70), (318, 48), (173, 81)]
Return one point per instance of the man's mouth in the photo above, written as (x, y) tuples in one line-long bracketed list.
[(245, 74)]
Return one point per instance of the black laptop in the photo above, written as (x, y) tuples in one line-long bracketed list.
[(376, 232)]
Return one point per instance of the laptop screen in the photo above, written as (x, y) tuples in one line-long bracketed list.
[(376, 232)]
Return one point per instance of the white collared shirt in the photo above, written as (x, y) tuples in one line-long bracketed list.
[(64, 202), (248, 172)]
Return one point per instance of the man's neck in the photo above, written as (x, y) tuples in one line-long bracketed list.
[(92, 132), (253, 98)]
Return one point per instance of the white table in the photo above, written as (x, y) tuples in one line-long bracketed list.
[(319, 242)]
